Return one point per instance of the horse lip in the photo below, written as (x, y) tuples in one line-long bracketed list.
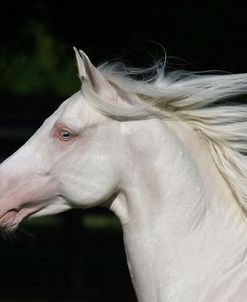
[(14, 216), (8, 216), (11, 210)]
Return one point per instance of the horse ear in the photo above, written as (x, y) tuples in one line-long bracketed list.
[(80, 64), (88, 72)]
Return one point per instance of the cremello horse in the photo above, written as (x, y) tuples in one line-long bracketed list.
[(166, 155)]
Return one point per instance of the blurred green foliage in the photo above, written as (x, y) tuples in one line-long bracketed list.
[(46, 67), (89, 221)]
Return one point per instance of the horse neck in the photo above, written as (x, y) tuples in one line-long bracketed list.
[(183, 230)]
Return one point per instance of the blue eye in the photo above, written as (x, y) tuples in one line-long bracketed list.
[(65, 135)]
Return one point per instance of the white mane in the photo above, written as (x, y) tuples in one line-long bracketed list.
[(213, 105)]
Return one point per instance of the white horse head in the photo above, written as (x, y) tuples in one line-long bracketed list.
[(71, 161), (167, 156)]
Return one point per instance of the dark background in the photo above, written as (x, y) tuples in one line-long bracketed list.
[(80, 255)]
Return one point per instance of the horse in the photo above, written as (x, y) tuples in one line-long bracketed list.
[(166, 152)]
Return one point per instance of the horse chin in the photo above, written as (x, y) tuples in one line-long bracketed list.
[(10, 221)]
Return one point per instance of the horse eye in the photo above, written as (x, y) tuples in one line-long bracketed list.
[(65, 135)]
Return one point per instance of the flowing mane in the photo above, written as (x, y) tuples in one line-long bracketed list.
[(213, 105)]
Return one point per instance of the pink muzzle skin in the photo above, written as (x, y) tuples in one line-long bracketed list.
[(22, 198), (12, 218)]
